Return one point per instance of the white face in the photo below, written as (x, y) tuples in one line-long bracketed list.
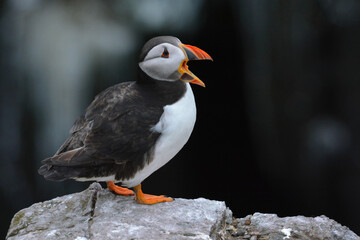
[(162, 62)]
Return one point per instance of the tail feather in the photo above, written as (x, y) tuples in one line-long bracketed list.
[(59, 167), (51, 173), (74, 164)]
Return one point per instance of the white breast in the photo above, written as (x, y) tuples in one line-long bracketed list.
[(175, 126)]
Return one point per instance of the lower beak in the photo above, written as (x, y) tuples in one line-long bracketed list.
[(192, 53)]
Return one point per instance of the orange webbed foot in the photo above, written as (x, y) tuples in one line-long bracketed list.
[(119, 190), (142, 198)]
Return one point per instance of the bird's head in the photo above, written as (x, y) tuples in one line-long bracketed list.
[(165, 58)]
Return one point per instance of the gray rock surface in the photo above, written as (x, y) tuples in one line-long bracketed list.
[(97, 213), (271, 227)]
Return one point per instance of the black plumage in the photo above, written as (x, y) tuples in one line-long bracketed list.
[(114, 134)]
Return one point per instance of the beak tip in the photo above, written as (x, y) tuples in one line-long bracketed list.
[(198, 82)]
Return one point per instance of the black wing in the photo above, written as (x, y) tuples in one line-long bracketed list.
[(114, 129)]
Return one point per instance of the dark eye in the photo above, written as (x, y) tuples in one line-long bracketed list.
[(165, 53)]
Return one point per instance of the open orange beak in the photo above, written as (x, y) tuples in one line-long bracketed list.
[(192, 53)]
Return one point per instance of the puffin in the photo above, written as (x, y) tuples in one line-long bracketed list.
[(132, 129)]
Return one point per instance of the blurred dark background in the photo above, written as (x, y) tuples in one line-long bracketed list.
[(278, 127)]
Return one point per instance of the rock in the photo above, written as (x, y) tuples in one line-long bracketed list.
[(271, 227), (97, 213)]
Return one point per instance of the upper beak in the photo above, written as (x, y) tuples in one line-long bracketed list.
[(192, 53)]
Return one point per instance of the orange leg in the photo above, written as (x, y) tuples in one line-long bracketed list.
[(119, 190), (142, 198)]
